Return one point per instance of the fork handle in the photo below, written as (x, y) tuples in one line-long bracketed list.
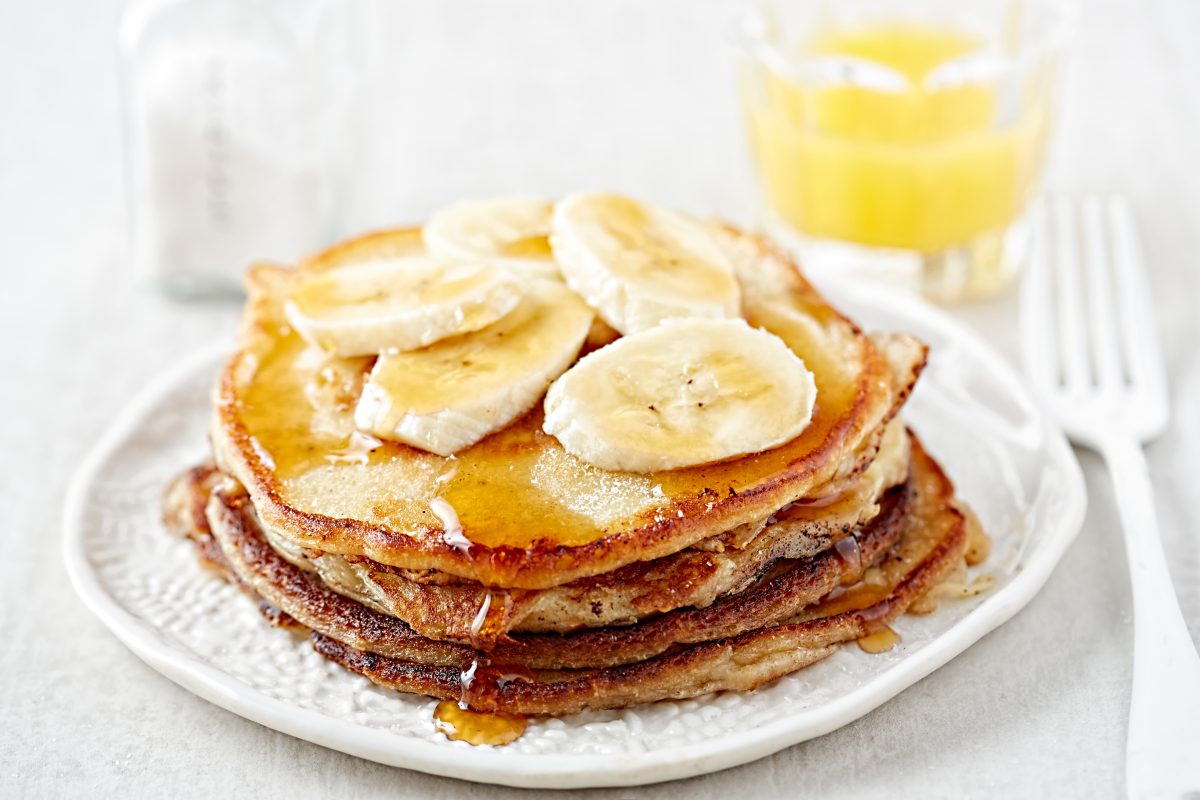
[(1162, 757)]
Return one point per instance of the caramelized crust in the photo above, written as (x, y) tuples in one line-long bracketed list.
[(918, 539), (781, 594), (932, 545), (442, 606), (184, 504)]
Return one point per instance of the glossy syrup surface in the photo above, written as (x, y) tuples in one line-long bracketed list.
[(481, 686), (848, 550), (880, 641), (513, 488), (477, 727), (872, 600), (484, 682), (490, 622)]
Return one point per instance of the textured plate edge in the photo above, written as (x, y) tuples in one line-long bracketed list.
[(565, 772)]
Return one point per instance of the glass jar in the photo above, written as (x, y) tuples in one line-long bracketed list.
[(241, 117)]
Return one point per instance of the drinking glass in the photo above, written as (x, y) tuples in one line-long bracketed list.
[(906, 138)]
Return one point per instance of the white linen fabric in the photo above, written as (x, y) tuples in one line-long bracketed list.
[(534, 95)]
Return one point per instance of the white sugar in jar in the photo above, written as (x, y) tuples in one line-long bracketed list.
[(241, 122)]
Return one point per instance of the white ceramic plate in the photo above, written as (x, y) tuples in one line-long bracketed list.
[(970, 409)]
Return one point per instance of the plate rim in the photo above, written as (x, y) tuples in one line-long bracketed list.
[(499, 767)]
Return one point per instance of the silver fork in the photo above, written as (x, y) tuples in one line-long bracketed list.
[(1088, 343)]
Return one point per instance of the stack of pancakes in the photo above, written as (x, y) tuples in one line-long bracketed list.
[(554, 586)]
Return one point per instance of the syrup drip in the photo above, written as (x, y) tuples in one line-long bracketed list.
[(452, 533), (357, 451), (870, 603), (477, 727), (979, 544), (880, 641), (448, 475), (488, 626), (482, 684), (880, 610), (850, 553)]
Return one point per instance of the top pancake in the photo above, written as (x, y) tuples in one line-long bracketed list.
[(535, 515)]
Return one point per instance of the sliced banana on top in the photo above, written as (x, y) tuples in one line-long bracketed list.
[(687, 392), (399, 304), (514, 228), (453, 393), (638, 264)]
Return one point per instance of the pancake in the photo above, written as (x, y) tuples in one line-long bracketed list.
[(301, 595), (536, 517), (184, 514), (740, 642), (781, 594), (444, 607), (513, 578)]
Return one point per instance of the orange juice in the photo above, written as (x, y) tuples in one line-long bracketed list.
[(915, 164)]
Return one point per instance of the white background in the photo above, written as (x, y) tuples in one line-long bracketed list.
[(544, 96)]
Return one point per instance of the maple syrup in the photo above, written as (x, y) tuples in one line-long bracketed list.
[(488, 626), (848, 550), (477, 727), (515, 488), (880, 641), (452, 529), (482, 684), (869, 602), (979, 544), (357, 450)]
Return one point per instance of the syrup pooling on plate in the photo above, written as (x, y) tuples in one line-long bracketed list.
[(477, 727), (481, 685), (880, 641)]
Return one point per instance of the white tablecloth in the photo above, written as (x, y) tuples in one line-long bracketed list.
[(544, 96)]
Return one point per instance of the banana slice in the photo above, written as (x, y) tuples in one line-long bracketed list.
[(453, 393), (687, 392), (514, 228), (399, 304), (637, 264)]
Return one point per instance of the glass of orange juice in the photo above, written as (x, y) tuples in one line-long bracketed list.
[(906, 137)]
